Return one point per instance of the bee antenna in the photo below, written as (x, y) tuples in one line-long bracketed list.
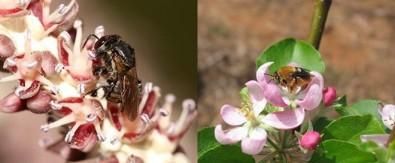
[(86, 41), (269, 75)]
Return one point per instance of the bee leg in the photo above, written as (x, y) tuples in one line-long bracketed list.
[(89, 37)]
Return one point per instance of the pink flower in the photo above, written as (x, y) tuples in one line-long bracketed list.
[(308, 99), (248, 124), (310, 140), (329, 96), (388, 117)]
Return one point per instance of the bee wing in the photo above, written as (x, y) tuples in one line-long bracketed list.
[(130, 94)]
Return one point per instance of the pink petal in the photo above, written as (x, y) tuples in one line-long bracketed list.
[(231, 136), (11, 103), (273, 95), (49, 63), (285, 120), (261, 73), (387, 113), (7, 47), (310, 140), (317, 79), (254, 143), (312, 99), (39, 103), (329, 96), (255, 90), (258, 106), (379, 139), (232, 115)]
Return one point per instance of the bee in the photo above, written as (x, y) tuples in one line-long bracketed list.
[(118, 68), (294, 79)]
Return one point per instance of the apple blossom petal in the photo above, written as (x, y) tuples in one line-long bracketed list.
[(329, 96), (310, 140), (312, 99), (255, 90), (317, 79), (261, 73), (379, 139), (273, 95), (231, 136), (287, 119), (232, 115), (388, 115), (254, 143), (258, 106)]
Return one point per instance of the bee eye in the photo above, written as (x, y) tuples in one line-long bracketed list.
[(284, 81)]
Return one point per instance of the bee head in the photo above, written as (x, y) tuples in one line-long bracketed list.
[(105, 44)]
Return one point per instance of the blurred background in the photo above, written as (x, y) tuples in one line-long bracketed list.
[(163, 34), (357, 46)]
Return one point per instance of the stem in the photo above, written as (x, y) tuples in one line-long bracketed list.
[(392, 137), (321, 9), (273, 144)]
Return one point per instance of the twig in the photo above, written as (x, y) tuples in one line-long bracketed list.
[(321, 9)]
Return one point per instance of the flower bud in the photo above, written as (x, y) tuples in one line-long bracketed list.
[(310, 140), (329, 94)]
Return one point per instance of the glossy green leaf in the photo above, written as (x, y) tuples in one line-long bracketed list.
[(292, 51), (209, 150), (339, 151), (350, 128)]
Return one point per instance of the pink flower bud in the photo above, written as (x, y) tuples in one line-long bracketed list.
[(329, 96), (310, 140)]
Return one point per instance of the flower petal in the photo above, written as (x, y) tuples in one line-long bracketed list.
[(379, 139), (273, 95), (261, 73), (231, 136), (287, 119), (232, 115), (387, 115), (317, 79), (312, 99), (255, 90), (254, 143)]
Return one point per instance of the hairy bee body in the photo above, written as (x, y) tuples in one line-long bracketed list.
[(119, 70), (294, 79)]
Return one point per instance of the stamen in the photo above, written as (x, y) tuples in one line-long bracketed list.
[(63, 121), (78, 37), (99, 31), (55, 105), (28, 42), (186, 116), (31, 64)]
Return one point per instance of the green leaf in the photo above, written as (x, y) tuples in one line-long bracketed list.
[(380, 152), (340, 105), (339, 151), (321, 123), (350, 128), (365, 107), (290, 50), (209, 150)]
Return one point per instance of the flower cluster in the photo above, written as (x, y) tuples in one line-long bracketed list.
[(53, 65), (269, 108)]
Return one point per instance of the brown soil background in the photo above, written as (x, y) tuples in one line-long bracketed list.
[(358, 46)]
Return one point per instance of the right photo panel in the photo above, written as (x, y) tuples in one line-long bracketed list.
[(296, 81)]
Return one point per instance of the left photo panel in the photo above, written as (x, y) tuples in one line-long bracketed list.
[(98, 81)]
